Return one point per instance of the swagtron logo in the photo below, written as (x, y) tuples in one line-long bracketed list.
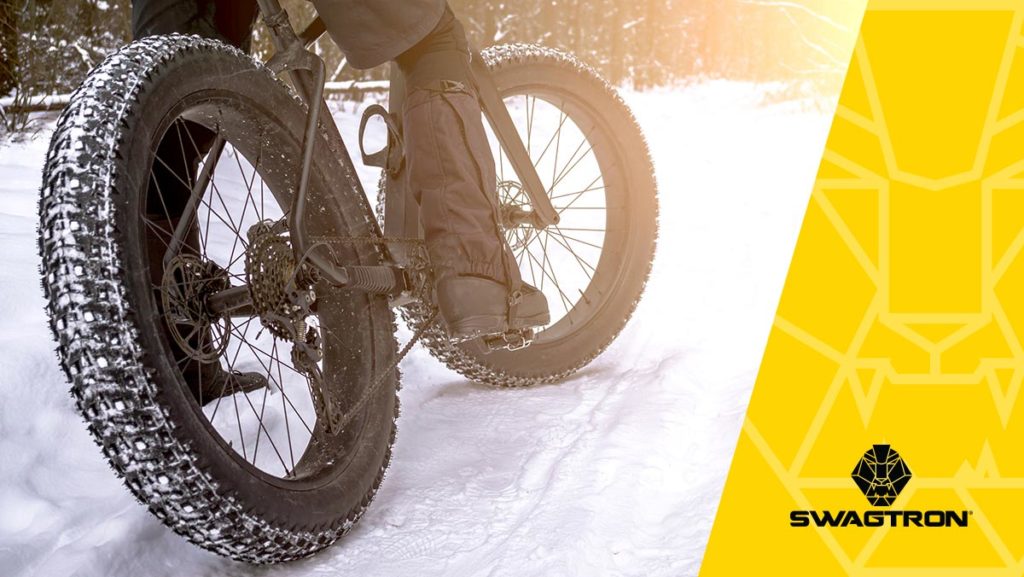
[(881, 474)]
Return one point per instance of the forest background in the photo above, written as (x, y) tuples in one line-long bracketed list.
[(48, 46)]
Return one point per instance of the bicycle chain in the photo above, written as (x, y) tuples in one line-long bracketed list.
[(420, 267)]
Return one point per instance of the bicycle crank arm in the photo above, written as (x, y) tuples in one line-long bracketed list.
[(384, 280)]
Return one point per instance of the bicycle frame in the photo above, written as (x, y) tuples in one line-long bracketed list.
[(306, 69)]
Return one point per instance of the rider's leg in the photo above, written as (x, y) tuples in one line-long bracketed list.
[(451, 172), (230, 21), (179, 155)]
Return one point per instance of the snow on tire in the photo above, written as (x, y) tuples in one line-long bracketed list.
[(150, 431)]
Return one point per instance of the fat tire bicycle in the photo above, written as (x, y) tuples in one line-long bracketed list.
[(295, 275)]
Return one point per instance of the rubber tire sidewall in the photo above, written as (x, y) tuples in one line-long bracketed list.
[(252, 510)]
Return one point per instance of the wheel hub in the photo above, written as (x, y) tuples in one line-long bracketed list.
[(515, 215)]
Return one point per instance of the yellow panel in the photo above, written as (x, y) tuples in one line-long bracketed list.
[(759, 512), (935, 249), (782, 354), (966, 548), (1007, 223), (1013, 99), (832, 302), (1003, 510), (948, 62), (855, 94), (900, 324), (858, 209)]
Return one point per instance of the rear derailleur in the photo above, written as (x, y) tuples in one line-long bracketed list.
[(284, 298)]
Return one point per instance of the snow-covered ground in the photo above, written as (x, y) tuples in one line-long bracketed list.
[(615, 472)]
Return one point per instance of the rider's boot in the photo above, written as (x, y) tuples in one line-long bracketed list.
[(451, 172), (207, 381), (475, 306)]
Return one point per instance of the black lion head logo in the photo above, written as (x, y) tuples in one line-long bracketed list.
[(881, 474)]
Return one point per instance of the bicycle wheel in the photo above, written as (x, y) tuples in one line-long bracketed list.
[(258, 476), (594, 264)]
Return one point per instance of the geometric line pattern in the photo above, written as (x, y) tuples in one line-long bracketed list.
[(902, 317)]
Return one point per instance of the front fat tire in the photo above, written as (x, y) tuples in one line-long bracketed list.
[(164, 456), (530, 65)]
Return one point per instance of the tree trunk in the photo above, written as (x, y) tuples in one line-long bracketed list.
[(616, 65), (647, 60), (8, 46)]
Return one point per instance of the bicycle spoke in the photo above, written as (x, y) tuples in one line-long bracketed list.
[(230, 366), (279, 382), (581, 234), (578, 195), (561, 122), (284, 411), (161, 231), (583, 264), (574, 239), (501, 163), (565, 299), (529, 123), (569, 164), (205, 237), (565, 194), (201, 200), (260, 429), (238, 419), (163, 204), (256, 349), (533, 275), (558, 144), (231, 224)]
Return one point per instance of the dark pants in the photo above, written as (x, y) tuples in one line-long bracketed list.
[(450, 165), (227, 20)]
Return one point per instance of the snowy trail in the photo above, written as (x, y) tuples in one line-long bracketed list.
[(615, 472)]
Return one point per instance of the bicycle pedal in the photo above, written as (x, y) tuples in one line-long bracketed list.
[(509, 341)]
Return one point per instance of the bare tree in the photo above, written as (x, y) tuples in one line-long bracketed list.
[(8, 46), (48, 46)]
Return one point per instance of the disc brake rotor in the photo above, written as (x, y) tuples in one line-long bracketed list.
[(187, 282)]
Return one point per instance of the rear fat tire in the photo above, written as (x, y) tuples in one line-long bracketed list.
[(145, 423)]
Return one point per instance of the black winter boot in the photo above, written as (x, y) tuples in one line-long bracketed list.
[(475, 306)]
